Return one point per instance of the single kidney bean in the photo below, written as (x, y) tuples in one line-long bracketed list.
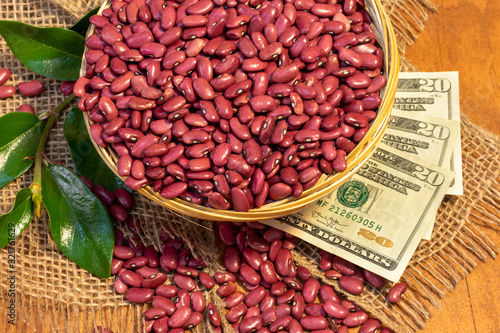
[(213, 315), (231, 259), (281, 324), (311, 289), (396, 292), (249, 275), (250, 324), (268, 272), (7, 91), (226, 289), (167, 291), (5, 74), (375, 280), (206, 280), (139, 295), (335, 309), (26, 108), (372, 325), (252, 257), (326, 293), (234, 299), (313, 323), (184, 282), (154, 313), (222, 278), (123, 252), (236, 313), (356, 318), (351, 285), (179, 317)]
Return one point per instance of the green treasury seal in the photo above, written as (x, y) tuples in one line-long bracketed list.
[(353, 194)]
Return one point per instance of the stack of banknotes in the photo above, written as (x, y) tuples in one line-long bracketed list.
[(379, 216)]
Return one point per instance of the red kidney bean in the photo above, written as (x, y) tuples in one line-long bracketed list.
[(116, 266), (236, 313), (25, 108), (165, 304), (123, 252), (213, 315), (182, 299), (279, 191), (184, 282), (255, 296), (206, 280), (234, 299), (283, 262), (343, 266), (179, 317), (253, 258), (153, 259), (372, 325), (396, 292), (351, 285), (278, 288), (120, 286), (375, 280), (268, 317), (226, 289), (326, 293), (154, 313), (249, 275), (222, 278), (313, 323), (31, 88), (311, 289), (231, 259), (139, 295), (167, 291), (136, 262), (226, 233), (356, 318), (281, 324), (5, 74), (335, 309), (250, 324), (193, 321), (154, 281)]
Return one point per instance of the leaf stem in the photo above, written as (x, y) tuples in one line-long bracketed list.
[(36, 186)]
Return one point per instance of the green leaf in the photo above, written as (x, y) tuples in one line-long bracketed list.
[(79, 223), (82, 26), (17, 219), (19, 138), (88, 162), (51, 52)]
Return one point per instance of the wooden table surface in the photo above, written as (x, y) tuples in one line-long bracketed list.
[(463, 36)]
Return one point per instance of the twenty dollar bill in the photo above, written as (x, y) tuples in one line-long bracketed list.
[(377, 218), (435, 94)]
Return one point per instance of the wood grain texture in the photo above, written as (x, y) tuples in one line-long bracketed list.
[(463, 36)]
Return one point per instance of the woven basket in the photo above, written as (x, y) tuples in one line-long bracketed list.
[(327, 183)]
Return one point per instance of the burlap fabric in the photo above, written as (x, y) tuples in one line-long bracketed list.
[(53, 290)]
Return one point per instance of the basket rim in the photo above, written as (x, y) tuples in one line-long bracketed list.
[(327, 183)]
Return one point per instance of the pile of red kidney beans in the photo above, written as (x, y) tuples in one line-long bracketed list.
[(263, 288), (231, 104)]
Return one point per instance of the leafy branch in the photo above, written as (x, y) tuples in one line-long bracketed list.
[(79, 223)]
